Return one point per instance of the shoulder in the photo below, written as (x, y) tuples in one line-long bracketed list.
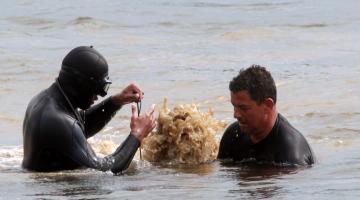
[(61, 131), (227, 141), (57, 121), (288, 133), (52, 118), (231, 131), (233, 142), (232, 128), (233, 135), (291, 141)]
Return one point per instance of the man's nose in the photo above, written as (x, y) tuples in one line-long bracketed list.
[(237, 113)]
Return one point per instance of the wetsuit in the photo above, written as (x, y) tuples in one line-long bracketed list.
[(54, 138), (283, 146)]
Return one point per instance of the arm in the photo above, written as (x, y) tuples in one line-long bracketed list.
[(99, 115), (82, 153)]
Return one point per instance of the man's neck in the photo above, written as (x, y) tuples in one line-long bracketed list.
[(268, 126)]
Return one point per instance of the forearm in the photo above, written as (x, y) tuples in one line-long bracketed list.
[(125, 153), (99, 115), (116, 162)]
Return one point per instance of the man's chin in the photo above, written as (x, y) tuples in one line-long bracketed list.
[(244, 128)]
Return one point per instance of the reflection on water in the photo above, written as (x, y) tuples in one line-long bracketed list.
[(256, 172), (198, 169), (258, 181), (76, 183)]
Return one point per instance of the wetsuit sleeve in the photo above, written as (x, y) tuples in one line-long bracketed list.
[(82, 153), (98, 116), (124, 154)]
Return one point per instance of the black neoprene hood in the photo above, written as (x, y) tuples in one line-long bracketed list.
[(83, 74), (86, 60)]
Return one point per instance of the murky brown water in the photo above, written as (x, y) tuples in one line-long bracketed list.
[(188, 51)]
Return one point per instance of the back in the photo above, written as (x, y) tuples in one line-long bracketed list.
[(43, 131)]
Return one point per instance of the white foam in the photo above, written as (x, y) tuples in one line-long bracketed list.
[(10, 157)]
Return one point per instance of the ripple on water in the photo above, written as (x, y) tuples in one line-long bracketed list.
[(89, 23)]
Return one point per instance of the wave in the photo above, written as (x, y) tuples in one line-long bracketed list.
[(249, 33), (311, 25), (89, 23), (29, 21), (10, 158), (332, 115), (246, 6)]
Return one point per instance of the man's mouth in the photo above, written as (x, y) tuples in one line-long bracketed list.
[(242, 123)]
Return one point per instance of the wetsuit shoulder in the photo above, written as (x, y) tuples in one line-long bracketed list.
[(45, 132), (233, 142), (291, 145), (57, 127)]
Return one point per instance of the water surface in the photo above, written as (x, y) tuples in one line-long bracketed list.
[(188, 51)]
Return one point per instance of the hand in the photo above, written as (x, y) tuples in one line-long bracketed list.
[(132, 93), (142, 125)]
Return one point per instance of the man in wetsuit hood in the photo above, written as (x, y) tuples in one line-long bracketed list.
[(261, 134), (59, 120)]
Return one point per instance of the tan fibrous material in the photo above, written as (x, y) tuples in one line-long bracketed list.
[(183, 135)]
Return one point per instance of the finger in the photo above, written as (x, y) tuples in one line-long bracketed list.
[(152, 118), (139, 96), (153, 125), (151, 110), (135, 88), (141, 93), (136, 97), (134, 110)]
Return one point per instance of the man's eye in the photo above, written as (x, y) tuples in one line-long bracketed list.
[(243, 108), (247, 108)]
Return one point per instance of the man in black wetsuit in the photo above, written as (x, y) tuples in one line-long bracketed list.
[(261, 134), (55, 130)]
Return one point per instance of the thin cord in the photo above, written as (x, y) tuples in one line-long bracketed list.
[(77, 115), (138, 104)]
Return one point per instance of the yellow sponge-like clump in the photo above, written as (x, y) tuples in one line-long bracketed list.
[(184, 135)]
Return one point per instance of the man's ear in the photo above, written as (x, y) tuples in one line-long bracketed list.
[(269, 103)]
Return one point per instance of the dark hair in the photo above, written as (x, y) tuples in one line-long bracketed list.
[(257, 81)]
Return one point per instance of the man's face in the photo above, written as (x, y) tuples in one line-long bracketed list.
[(87, 101), (250, 115)]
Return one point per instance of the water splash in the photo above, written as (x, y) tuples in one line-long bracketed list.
[(102, 147), (10, 158), (184, 135)]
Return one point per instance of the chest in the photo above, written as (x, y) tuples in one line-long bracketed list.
[(267, 150)]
